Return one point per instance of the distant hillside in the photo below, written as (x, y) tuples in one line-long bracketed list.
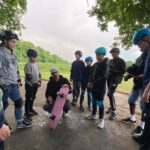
[(44, 56)]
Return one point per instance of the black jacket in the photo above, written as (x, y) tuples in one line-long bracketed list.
[(54, 86), (117, 68), (77, 70), (98, 77), (86, 76), (138, 69)]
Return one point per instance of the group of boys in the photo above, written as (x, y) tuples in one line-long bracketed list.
[(92, 78)]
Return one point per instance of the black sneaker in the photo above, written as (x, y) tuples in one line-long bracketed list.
[(27, 117), (108, 111), (128, 120), (113, 116), (138, 131), (73, 103), (81, 108), (23, 124), (33, 113)]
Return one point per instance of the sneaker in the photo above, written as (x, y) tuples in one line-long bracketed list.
[(91, 117), (33, 113), (23, 124), (101, 124), (81, 108), (128, 120), (138, 131), (66, 115), (113, 116), (27, 117), (108, 111), (73, 103)]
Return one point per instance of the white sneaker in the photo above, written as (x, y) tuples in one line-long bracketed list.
[(101, 123), (91, 117), (66, 115)]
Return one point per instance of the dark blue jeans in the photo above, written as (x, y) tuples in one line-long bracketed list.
[(12, 91)]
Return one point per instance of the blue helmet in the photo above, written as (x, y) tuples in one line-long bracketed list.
[(32, 53), (89, 58), (78, 52), (140, 34), (101, 50)]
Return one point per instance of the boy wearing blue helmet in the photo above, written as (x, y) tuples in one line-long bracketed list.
[(84, 82), (97, 83), (76, 76), (32, 82), (142, 39)]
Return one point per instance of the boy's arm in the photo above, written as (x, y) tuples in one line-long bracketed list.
[(27, 71), (146, 94)]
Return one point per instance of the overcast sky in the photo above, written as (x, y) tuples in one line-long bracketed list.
[(62, 26)]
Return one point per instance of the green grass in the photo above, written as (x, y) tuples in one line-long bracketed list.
[(126, 86), (45, 69), (65, 71)]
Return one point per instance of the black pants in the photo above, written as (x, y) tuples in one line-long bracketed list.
[(1, 145), (146, 132), (30, 97), (111, 90), (76, 90), (89, 96)]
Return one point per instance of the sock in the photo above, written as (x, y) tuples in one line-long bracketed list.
[(142, 125)]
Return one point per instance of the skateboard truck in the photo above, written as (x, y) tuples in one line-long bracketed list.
[(53, 117), (61, 94)]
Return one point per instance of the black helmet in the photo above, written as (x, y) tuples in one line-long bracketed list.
[(8, 35), (115, 50), (78, 52), (32, 53)]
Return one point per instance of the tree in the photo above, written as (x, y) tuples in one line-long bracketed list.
[(11, 12), (128, 15)]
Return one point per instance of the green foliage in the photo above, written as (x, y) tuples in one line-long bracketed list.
[(11, 12), (44, 56), (128, 15), (129, 63)]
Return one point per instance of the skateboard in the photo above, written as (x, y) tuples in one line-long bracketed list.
[(58, 107)]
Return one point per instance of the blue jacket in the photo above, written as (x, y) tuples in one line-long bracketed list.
[(147, 70), (77, 70)]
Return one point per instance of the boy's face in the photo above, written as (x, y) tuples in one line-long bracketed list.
[(143, 45), (88, 63), (99, 57), (55, 75), (33, 59), (11, 44), (115, 54), (77, 57)]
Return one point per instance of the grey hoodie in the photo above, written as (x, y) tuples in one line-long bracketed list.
[(9, 73)]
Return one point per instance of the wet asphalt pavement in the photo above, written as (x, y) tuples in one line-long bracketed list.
[(72, 133)]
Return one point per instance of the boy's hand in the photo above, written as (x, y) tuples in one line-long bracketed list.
[(4, 132), (65, 85), (50, 100)]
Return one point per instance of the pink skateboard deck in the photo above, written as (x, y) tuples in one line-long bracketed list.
[(58, 107)]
